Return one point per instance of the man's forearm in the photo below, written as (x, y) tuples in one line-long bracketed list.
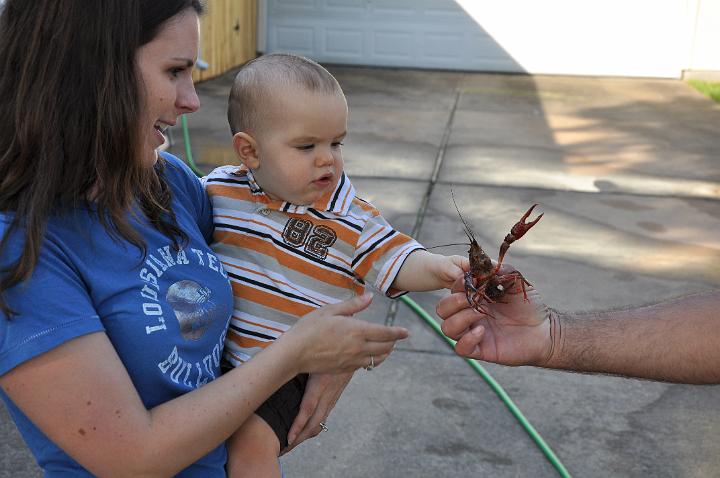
[(675, 341)]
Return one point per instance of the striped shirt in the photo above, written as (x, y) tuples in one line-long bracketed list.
[(286, 260)]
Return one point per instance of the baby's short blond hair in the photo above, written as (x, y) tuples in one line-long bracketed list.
[(257, 79)]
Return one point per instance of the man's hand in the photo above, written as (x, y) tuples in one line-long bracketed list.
[(517, 331)]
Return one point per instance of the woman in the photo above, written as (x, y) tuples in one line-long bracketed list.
[(114, 310)]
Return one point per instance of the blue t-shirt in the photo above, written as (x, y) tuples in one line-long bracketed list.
[(166, 313)]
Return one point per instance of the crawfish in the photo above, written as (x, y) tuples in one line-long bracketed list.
[(484, 281)]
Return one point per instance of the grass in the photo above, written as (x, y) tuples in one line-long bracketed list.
[(708, 88)]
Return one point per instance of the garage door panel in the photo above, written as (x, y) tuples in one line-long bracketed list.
[(344, 43), (393, 45), (443, 10), (307, 5), (400, 8), (592, 37), (442, 46), (345, 6), (300, 40)]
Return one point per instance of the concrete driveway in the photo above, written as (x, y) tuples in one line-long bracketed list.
[(627, 173)]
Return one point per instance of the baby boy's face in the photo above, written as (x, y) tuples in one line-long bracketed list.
[(300, 145)]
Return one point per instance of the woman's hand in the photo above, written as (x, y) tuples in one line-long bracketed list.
[(518, 333), (328, 340), (321, 394), (330, 345)]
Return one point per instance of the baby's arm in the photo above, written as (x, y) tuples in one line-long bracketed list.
[(423, 271)]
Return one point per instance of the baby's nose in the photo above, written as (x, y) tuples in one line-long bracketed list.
[(324, 158)]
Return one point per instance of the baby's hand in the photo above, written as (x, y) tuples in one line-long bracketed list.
[(449, 269)]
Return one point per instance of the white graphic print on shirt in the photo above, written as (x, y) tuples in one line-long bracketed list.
[(192, 306)]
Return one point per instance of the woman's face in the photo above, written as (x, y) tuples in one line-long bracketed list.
[(165, 70)]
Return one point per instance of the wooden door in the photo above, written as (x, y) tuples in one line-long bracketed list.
[(228, 36)]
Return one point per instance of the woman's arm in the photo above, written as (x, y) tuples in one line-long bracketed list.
[(81, 396)]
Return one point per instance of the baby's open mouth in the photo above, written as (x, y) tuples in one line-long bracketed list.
[(324, 179)]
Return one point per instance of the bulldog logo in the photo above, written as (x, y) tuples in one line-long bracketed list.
[(193, 307)]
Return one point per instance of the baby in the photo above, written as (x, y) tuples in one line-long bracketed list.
[(293, 236)]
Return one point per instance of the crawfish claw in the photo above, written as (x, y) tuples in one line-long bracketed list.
[(521, 227)]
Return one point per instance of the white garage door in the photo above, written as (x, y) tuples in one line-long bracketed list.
[(580, 37)]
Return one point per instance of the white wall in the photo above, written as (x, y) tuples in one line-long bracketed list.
[(705, 45), (589, 37)]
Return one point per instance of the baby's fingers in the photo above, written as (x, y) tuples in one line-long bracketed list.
[(461, 261)]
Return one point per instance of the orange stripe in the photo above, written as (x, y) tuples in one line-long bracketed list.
[(268, 224), (363, 268), (246, 342), (236, 319), (323, 201), (345, 199), (235, 356), (271, 301), (274, 281), (358, 289), (359, 246), (242, 193), (285, 259), (389, 272), (340, 260), (239, 192)]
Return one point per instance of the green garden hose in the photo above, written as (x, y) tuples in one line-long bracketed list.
[(499, 391), (188, 149)]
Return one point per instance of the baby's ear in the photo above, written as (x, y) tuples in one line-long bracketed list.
[(245, 148)]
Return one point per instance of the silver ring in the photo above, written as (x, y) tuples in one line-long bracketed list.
[(371, 365), (323, 427)]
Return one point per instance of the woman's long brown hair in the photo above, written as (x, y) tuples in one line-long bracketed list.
[(70, 103)]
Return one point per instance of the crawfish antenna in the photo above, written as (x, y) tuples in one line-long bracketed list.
[(468, 232), (448, 245)]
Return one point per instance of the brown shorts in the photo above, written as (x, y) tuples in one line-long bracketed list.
[(280, 410)]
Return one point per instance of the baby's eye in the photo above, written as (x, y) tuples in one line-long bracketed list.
[(175, 72), (305, 147), (337, 144)]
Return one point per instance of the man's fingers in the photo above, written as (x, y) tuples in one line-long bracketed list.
[(469, 344), (451, 304), (458, 324)]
